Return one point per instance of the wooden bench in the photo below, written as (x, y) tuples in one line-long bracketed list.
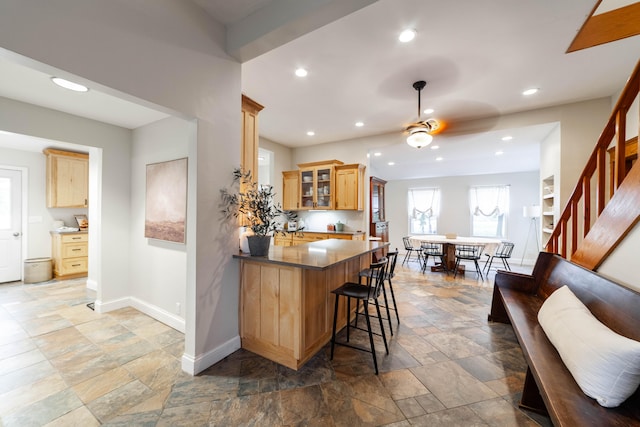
[(549, 387)]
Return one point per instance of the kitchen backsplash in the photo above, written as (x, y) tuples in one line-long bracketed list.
[(317, 221)]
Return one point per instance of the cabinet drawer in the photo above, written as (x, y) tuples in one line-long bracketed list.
[(74, 265), (71, 238), (71, 250)]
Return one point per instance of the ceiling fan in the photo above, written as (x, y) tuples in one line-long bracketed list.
[(420, 132)]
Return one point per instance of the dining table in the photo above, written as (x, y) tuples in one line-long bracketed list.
[(450, 243)]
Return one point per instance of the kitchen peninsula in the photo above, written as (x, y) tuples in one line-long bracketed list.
[(286, 305)]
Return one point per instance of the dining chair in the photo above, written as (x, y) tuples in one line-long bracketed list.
[(469, 253), (409, 249), (503, 252), (366, 293), (434, 250)]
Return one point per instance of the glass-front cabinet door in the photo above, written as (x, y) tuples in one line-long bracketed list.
[(317, 185), (377, 200), (307, 189), (324, 188)]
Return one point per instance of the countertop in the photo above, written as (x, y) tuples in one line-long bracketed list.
[(316, 255), (68, 231)]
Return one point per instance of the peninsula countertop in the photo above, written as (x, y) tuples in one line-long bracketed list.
[(318, 255)]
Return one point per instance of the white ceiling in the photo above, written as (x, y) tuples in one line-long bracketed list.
[(477, 57)]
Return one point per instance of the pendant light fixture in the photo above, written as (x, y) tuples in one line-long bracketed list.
[(419, 132)]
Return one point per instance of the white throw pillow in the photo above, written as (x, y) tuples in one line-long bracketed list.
[(605, 365)]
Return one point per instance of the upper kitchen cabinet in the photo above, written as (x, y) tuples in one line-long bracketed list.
[(350, 187), (317, 184), (67, 179), (249, 147), (290, 188)]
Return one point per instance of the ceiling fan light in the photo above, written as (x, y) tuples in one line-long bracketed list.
[(419, 138)]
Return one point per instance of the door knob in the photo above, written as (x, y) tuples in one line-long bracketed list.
[(16, 234)]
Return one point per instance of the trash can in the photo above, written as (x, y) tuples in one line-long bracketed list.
[(37, 270)]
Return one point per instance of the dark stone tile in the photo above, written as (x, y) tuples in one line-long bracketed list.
[(316, 371), (254, 410)]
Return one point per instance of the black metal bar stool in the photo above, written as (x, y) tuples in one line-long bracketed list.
[(365, 293)]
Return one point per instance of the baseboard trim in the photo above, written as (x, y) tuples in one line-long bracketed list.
[(151, 310), (198, 364), (92, 284), (159, 314)]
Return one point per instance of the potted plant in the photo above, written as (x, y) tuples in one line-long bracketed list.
[(254, 204)]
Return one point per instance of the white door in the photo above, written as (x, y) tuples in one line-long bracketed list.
[(10, 225)]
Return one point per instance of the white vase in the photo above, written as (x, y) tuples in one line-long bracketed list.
[(244, 243)]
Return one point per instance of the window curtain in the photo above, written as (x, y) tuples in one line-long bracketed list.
[(424, 204), (489, 201)]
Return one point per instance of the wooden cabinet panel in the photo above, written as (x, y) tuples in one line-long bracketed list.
[(270, 311), (250, 323), (350, 187), (70, 254), (67, 179), (249, 147), (290, 190), (329, 185)]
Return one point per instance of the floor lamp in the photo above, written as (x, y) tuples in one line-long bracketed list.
[(532, 212)]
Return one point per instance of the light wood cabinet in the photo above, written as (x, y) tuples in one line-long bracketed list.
[(292, 239), (286, 312), (350, 187), (317, 185), (249, 147), (290, 190), (67, 179), (326, 185), (70, 254)]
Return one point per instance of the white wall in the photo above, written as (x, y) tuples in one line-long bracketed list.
[(77, 133), (184, 70), (620, 265), (39, 217), (454, 207), (159, 275)]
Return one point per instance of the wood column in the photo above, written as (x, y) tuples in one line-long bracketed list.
[(249, 149)]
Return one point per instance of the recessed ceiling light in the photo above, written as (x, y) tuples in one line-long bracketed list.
[(301, 72), (499, 153), (359, 124), (69, 85), (391, 163), (311, 133), (377, 154), (435, 147), (407, 35), (429, 111), (507, 138), (530, 91), (438, 159)]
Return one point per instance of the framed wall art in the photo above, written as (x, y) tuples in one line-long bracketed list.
[(166, 201)]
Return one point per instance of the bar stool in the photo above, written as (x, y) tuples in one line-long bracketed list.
[(389, 273), (364, 293)]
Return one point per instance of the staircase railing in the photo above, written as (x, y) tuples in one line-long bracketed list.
[(591, 194)]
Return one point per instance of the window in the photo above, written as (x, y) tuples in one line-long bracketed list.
[(489, 209), (424, 208), (265, 167)]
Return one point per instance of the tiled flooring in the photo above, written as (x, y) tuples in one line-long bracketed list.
[(61, 364)]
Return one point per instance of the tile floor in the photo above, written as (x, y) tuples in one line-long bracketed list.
[(61, 364)]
